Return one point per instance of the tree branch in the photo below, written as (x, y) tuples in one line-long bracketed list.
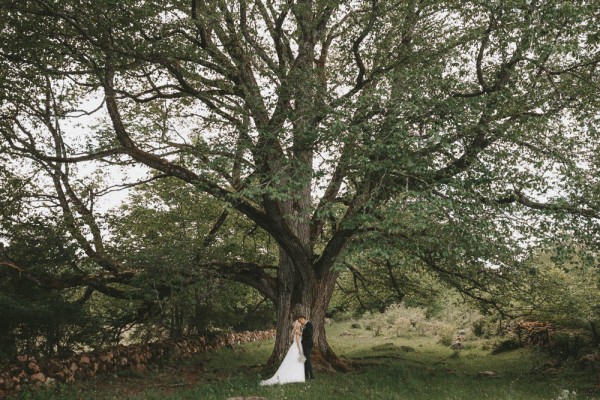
[(248, 273)]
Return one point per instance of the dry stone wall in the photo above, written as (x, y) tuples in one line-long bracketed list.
[(27, 371), (534, 333)]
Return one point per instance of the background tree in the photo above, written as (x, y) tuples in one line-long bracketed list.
[(317, 120), (563, 288), (38, 321), (55, 300), (165, 233)]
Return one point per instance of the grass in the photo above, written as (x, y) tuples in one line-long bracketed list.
[(386, 368)]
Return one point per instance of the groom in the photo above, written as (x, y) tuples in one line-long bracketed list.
[(307, 344)]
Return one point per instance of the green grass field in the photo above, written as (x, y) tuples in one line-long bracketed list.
[(385, 368)]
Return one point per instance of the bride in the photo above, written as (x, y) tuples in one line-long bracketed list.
[(292, 366)]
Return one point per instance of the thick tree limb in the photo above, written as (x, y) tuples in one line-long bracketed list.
[(210, 237), (399, 293), (166, 166), (99, 282), (248, 273)]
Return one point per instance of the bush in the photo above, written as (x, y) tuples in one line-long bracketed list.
[(505, 345), (567, 345), (376, 323), (446, 334), (480, 328), (407, 322), (43, 324)]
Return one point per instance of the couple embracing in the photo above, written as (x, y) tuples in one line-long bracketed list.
[(296, 366)]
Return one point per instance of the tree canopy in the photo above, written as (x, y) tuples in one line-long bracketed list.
[(455, 130)]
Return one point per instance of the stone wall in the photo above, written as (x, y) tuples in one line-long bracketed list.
[(27, 371), (534, 333)]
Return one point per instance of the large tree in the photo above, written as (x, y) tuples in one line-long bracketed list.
[(319, 120)]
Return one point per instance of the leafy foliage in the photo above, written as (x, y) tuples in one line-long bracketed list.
[(36, 320), (164, 234), (564, 288), (444, 138)]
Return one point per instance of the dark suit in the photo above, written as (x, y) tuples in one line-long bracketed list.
[(307, 345)]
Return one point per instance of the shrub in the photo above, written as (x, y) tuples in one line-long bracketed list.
[(505, 345), (356, 325), (567, 345), (446, 334), (43, 324), (480, 328), (445, 340), (407, 322), (566, 394), (376, 323)]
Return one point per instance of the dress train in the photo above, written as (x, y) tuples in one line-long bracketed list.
[(291, 368)]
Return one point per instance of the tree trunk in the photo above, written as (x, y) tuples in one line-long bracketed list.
[(301, 290), (323, 355), (310, 299), (285, 287)]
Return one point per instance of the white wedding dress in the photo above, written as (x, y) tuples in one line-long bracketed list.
[(290, 370)]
